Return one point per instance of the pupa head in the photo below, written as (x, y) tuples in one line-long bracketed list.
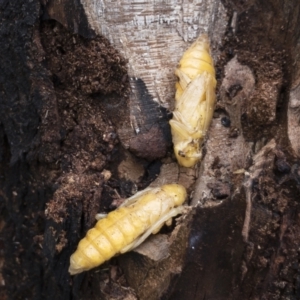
[(188, 154), (176, 191)]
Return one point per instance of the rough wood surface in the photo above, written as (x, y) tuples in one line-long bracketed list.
[(65, 99), (153, 35), (294, 103)]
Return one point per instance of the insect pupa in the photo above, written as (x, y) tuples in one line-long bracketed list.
[(128, 226), (194, 102)]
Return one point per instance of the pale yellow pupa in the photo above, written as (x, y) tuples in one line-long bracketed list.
[(128, 226), (195, 101)]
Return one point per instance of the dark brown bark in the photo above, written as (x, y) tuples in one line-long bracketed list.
[(63, 96)]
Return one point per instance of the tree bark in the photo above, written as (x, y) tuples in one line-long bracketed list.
[(84, 115)]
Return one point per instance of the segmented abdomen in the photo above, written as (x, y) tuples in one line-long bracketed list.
[(123, 226), (195, 61), (111, 234)]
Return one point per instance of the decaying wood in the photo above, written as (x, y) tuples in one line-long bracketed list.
[(152, 36), (294, 107), (150, 275), (82, 81), (227, 150)]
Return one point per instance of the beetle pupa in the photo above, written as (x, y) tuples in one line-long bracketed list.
[(195, 101), (128, 226)]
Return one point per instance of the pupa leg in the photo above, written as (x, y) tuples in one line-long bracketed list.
[(182, 131), (169, 222), (182, 127), (194, 93), (128, 201), (100, 216), (153, 229), (184, 80), (136, 197), (157, 229)]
